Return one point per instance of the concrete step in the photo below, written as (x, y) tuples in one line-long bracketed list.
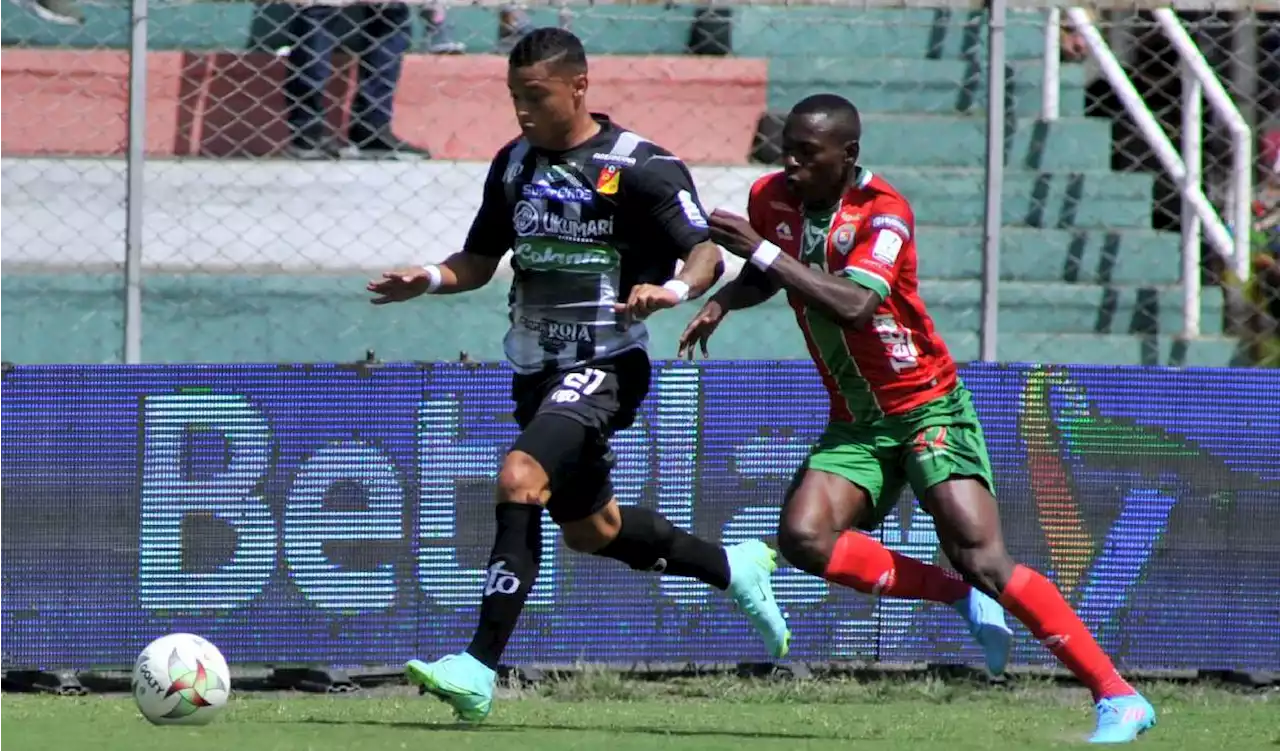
[(1072, 144), (1035, 307), (862, 33), (909, 85), (1131, 256), (1060, 200), (859, 33)]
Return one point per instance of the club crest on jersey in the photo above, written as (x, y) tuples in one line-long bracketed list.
[(783, 230), (843, 238), (607, 183)]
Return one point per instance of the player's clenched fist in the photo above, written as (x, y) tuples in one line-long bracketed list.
[(733, 233), (700, 329), (647, 299), (399, 285)]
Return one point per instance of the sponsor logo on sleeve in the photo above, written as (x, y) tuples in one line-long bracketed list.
[(887, 246), (892, 223)]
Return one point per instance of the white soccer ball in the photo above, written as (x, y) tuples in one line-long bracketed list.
[(181, 679)]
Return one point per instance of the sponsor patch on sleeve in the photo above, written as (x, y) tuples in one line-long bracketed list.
[(887, 246), (892, 223)]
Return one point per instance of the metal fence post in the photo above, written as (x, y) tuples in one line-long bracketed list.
[(993, 216), (135, 165)]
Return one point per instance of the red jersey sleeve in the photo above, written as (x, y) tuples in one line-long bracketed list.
[(880, 245), (757, 215), (757, 205)]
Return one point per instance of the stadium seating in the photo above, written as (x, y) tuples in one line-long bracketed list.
[(1085, 278)]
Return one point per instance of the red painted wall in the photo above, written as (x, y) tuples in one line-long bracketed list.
[(67, 102)]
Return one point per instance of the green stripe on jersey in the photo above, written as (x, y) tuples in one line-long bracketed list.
[(828, 335), (839, 362), (868, 280)]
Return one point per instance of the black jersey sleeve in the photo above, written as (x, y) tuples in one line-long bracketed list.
[(663, 187), (492, 232)]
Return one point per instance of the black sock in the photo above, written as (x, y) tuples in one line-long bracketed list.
[(648, 542), (513, 566)]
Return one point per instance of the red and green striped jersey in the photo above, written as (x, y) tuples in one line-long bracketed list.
[(898, 362)]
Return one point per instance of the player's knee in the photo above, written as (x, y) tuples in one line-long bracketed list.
[(806, 544), (987, 567), (523, 480)]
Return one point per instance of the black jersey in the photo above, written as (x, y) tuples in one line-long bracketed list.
[(585, 226)]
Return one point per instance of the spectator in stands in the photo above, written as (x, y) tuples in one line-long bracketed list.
[(65, 12), (378, 34), (513, 23), (436, 29), (1263, 289)]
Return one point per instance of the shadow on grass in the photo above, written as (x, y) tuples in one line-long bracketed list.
[(524, 727)]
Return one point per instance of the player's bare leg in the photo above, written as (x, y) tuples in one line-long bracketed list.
[(968, 525), (816, 535), (646, 541)]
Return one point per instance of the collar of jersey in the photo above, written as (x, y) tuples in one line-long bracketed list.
[(607, 129), (863, 180)]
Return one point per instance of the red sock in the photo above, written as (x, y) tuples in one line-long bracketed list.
[(867, 566), (1040, 606)]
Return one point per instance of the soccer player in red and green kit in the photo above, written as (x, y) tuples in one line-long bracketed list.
[(841, 242)]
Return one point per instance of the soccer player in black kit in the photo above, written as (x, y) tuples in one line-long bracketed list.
[(596, 218)]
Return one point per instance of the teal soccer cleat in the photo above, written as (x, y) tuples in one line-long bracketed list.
[(986, 622), (750, 566), (461, 681), (1123, 718)]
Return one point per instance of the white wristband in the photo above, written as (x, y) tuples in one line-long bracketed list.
[(680, 288), (434, 277), (765, 254)]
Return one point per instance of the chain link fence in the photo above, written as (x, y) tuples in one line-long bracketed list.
[(292, 151), (1242, 48)]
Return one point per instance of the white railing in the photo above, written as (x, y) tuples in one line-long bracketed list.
[(1196, 69), (1189, 183), (1052, 65)]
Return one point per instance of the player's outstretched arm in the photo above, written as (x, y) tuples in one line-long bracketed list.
[(488, 240), (750, 288), (663, 188), (702, 269), (847, 303), (460, 272)]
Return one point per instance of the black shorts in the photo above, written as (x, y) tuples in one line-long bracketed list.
[(566, 418)]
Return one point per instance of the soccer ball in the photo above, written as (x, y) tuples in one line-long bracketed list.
[(181, 679)]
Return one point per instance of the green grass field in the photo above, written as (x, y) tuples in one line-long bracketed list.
[(604, 712)]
